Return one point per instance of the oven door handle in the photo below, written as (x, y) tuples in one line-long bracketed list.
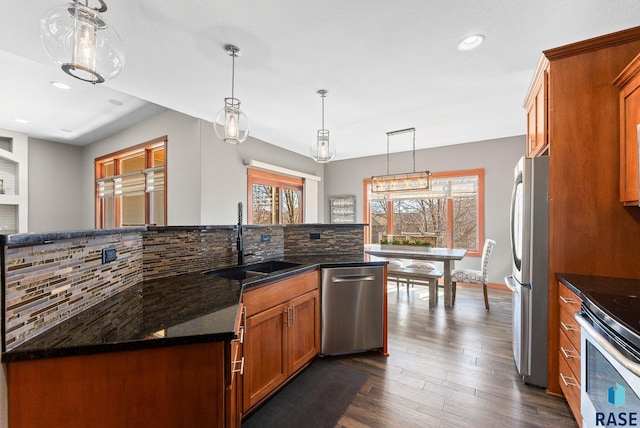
[(608, 347)]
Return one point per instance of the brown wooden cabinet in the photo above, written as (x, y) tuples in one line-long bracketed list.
[(569, 349), (185, 385), (629, 83), (590, 231), (536, 106), (282, 334), (167, 386)]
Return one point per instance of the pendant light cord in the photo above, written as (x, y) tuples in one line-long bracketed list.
[(387, 153), (233, 72), (323, 95), (402, 131), (414, 149)]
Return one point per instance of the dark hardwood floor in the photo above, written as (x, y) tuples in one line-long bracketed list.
[(448, 368)]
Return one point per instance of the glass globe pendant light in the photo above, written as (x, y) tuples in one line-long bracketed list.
[(323, 149), (78, 38), (231, 124)]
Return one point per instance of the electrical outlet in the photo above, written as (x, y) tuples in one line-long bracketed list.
[(265, 237), (314, 236), (109, 255)]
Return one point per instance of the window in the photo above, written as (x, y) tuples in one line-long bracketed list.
[(130, 186), (453, 210), (274, 199)]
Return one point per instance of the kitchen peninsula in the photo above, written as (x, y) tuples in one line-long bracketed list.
[(147, 337)]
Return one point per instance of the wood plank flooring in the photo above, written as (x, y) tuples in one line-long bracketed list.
[(448, 368)]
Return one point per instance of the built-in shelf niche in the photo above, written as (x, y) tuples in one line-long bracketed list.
[(13, 182), (6, 144), (8, 174), (8, 219)]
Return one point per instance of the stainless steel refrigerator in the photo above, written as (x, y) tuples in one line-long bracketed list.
[(530, 268)]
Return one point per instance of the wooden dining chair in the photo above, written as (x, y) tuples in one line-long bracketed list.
[(480, 277)]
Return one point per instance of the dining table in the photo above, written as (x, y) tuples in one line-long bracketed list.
[(448, 256)]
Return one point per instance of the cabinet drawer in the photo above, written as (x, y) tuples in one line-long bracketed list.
[(570, 387), (569, 326), (568, 299), (571, 355), (262, 298)]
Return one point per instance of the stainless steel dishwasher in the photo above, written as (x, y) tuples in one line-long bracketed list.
[(352, 302)]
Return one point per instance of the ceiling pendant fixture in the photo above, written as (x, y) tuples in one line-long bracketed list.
[(231, 124), (78, 38), (391, 183), (323, 150)]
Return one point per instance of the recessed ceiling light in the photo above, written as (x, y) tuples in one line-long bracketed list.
[(471, 42), (20, 120), (116, 102), (60, 85)]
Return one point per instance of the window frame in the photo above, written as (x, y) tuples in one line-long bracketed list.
[(147, 148), (479, 173), (256, 176)]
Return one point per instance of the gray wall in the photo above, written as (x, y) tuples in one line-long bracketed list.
[(206, 178), (55, 186), (183, 154), (497, 157)]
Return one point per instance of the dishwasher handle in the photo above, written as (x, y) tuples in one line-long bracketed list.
[(353, 278)]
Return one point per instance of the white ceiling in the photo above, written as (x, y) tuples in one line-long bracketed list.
[(387, 65)]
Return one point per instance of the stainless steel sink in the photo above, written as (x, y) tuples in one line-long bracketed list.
[(250, 271), (271, 266)]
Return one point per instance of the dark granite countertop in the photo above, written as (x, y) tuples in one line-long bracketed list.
[(581, 284), (188, 308), (614, 299), (49, 237)]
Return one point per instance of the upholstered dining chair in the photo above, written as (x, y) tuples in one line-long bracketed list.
[(480, 277)]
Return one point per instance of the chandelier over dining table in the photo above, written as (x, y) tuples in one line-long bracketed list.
[(390, 183)]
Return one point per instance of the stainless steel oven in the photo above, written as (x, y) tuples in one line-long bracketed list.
[(610, 366)]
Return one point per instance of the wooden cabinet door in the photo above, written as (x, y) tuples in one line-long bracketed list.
[(537, 117), (304, 330), (264, 350), (629, 83), (531, 128)]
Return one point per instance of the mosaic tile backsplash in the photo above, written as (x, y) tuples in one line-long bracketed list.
[(46, 284), (314, 239), (169, 252)]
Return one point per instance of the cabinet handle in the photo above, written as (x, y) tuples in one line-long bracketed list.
[(293, 312), (244, 316), (286, 312), (569, 353), (240, 339), (568, 383), (568, 327), (241, 369), (567, 301)]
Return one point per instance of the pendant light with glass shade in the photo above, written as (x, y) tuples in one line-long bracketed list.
[(323, 149), (78, 38), (231, 124)]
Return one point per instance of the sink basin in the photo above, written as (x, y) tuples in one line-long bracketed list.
[(271, 266), (249, 271)]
